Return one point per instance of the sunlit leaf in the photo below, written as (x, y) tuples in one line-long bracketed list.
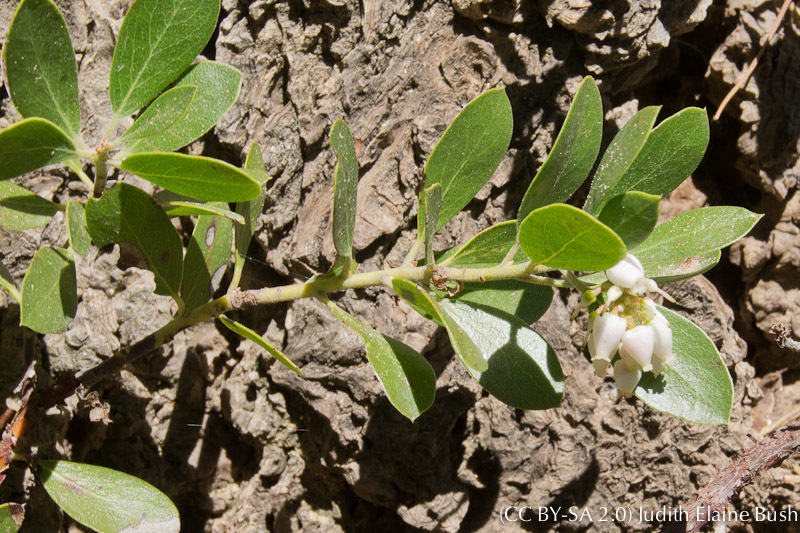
[(430, 202), (49, 291), (107, 500), (217, 88), (406, 376), (11, 517), (154, 123), (619, 156), (470, 151), (564, 237), (696, 385), (486, 249), (41, 72), (632, 216), (671, 152), (127, 214), (345, 185), (249, 211), (79, 238), (571, 159), (158, 40), (248, 333), (20, 209), (691, 240), (32, 144), (203, 178)]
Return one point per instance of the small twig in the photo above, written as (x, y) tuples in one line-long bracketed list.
[(714, 497), (752, 67), (782, 337)]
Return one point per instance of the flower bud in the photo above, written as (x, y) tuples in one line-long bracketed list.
[(637, 345), (662, 345), (627, 377), (607, 331), (627, 273)]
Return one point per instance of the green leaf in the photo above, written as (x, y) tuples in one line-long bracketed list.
[(470, 151), (8, 283), (41, 72), (696, 386), (619, 156), (429, 305), (248, 333), (522, 369), (11, 517), (345, 188), (632, 216), (564, 237), (573, 154), (32, 144), (218, 88), (672, 152), (203, 178), (525, 301), (179, 208), (49, 291), (155, 122), (79, 238), (486, 249), (430, 202), (208, 251), (250, 211), (158, 40), (127, 214), (20, 209), (691, 240), (108, 500), (406, 376)]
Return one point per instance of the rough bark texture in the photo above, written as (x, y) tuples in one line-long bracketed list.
[(242, 444)]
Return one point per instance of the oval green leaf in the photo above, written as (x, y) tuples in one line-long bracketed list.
[(209, 250), (522, 369), (249, 211), (564, 237), (691, 240), (11, 517), (429, 306), (158, 40), (41, 72), (569, 162), (345, 188), (20, 209), (49, 291), (218, 88), (79, 238), (127, 214), (405, 375), (632, 216), (470, 151), (248, 333), (672, 152), (696, 386), (203, 178), (32, 144), (155, 122), (486, 249), (108, 500), (620, 155), (180, 208)]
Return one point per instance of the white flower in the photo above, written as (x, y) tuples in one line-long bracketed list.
[(607, 332), (637, 346), (627, 273), (662, 345), (627, 376)]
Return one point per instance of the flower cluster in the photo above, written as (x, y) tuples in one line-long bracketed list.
[(629, 323)]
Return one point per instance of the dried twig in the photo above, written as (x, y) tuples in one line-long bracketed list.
[(783, 337), (714, 497), (752, 67)]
